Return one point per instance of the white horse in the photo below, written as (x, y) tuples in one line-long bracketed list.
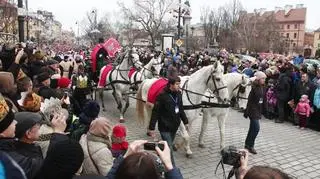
[(118, 79), (193, 87), (150, 70), (239, 86)]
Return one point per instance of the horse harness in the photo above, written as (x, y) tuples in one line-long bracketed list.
[(203, 104)]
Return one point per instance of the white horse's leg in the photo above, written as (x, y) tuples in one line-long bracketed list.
[(204, 125), (187, 140), (221, 123)]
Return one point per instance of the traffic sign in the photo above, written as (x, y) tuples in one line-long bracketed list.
[(179, 42)]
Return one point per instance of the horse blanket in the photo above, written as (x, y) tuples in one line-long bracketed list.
[(155, 89), (103, 76)]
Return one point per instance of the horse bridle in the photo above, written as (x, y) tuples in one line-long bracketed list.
[(239, 87)]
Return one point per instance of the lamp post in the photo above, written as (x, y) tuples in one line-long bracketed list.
[(78, 33), (21, 21), (186, 21)]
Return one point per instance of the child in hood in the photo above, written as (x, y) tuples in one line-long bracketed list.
[(303, 110), (119, 143)]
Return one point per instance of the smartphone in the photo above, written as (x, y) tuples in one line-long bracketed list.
[(152, 146)]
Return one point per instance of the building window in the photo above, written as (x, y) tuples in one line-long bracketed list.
[(294, 44), (287, 35), (282, 26), (282, 34), (295, 26), (295, 35), (288, 26)]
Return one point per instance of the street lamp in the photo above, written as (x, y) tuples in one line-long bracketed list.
[(78, 33)]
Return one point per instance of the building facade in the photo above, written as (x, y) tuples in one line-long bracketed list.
[(8, 21), (316, 43)]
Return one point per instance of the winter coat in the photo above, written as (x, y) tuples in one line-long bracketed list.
[(47, 138), (304, 88), (47, 92), (255, 101), (164, 112), (283, 88), (98, 158), (303, 108), (316, 98), (28, 156), (11, 170), (172, 174)]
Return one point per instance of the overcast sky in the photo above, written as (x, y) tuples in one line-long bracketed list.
[(68, 12)]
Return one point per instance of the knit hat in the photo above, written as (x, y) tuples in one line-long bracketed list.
[(43, 76), (63, 82), (260, 75), (119, 131), (6, 114), (101, 127), (63, 160), (38, 55), (304, 98), (25, 121), (91, 109), (30, 101)]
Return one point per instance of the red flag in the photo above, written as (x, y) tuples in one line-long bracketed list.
[(112, 46)]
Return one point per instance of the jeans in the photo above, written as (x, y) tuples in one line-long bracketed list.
[(169, 137), (252, 133)]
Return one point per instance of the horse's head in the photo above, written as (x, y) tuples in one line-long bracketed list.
[(134, 61), (217, 83), (156, 65), (244, 91)]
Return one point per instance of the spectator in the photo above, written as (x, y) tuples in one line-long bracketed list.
[(283, 89), (81, 86), (96, 145), (305, 86), (317, 77), (81, 126), (119, 143), (63, 160), (303, 110), (44, 86), (135, 164), (9, 169), (316, 103), (254, 109), (168, 112), (8, 89)]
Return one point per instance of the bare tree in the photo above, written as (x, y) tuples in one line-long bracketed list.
[(8, 20), (149, 14)]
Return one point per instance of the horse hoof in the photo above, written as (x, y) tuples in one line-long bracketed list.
[(202, 146), (189, 155), (122, 121)]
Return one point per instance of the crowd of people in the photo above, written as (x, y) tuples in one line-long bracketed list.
[(50, 128)]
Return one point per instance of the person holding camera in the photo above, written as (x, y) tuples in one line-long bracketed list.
[(140, 164), (168, 111), (254, 110)]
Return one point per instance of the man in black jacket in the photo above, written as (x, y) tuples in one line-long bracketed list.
[(24, 151), (283, 92), (168, 111)]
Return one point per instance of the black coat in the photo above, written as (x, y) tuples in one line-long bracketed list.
[(47, 92), (304, 88), (28, 156), (164, 112), (255, 102), (283, 88)]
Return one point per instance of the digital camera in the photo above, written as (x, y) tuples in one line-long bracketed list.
[(231, 156)]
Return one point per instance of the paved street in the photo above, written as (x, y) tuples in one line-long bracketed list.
[(295, 151)]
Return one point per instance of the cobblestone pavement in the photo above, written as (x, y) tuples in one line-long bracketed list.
[(283, 146)]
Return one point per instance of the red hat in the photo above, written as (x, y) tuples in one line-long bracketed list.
[(63, 82), (119, 131)]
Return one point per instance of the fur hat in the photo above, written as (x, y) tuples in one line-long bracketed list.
[(6, 114), (101, 127), (32, 102), (63, 82)]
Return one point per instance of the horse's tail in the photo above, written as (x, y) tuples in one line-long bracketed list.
[(140, 105)]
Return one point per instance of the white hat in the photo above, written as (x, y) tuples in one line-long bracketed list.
[(260, 75)]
